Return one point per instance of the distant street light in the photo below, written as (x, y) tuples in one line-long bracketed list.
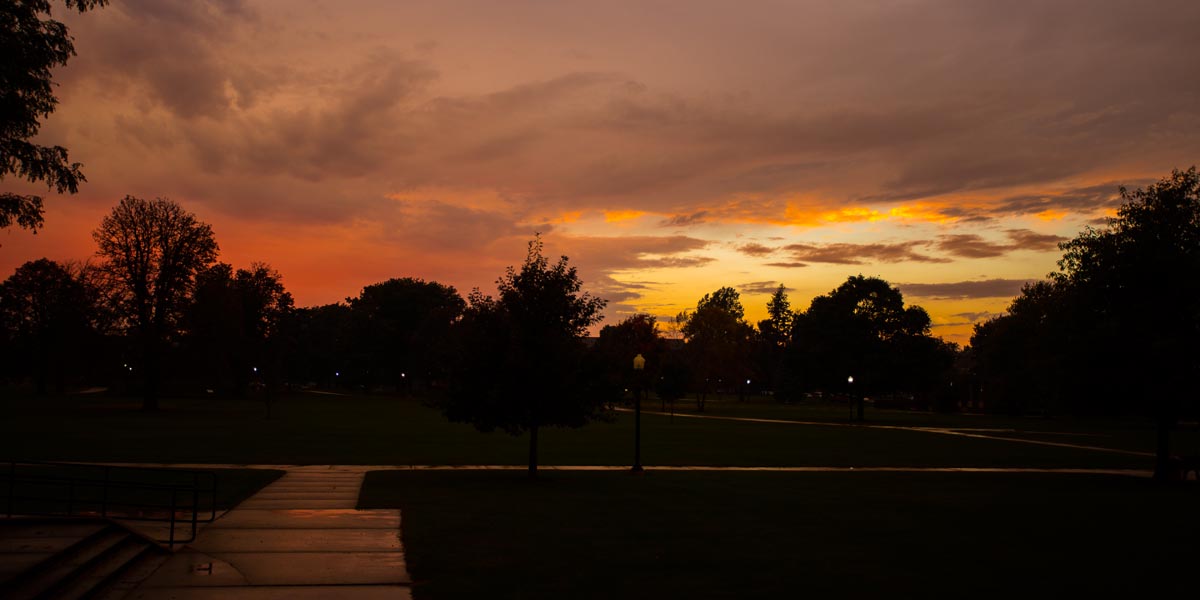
[(639, 365), (850, 388)]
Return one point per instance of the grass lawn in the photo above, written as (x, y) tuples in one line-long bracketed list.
[(1131, 433), (325, 429), (475, 534)]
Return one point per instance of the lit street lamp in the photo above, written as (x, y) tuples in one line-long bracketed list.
[(850, 400), (639, 365)]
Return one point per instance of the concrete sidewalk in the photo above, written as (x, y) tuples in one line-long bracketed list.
[(299, 537)]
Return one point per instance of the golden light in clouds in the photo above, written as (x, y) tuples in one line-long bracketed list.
[(617, 216), (667, 152)]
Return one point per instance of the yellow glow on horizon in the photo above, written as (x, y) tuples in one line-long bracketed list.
[(617, 216)]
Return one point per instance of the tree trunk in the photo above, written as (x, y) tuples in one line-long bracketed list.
[(150, 374), (533, 462)]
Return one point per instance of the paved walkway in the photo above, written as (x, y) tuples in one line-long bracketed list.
[(298, 538), (363, 469), (964, 432)]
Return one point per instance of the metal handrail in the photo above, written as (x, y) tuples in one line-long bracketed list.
[(78, 477)]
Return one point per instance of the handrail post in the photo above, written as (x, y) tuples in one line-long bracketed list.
[(195, 502), (12, 483), (171, 532), (212, 505), (104, 493)]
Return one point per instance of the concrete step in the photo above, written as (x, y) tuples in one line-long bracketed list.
[(56, 568), (101, 571), (99, 562), (26, 543), (127, 580)]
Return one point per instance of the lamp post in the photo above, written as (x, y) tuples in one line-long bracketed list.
[(850, 388), (639, 365)]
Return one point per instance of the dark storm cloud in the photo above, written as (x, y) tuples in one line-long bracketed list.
[(761, 287), (437, 226), (1025, 239), (972, 317), (617, 292), (172, 51), (608, 254), (685, 220), (1082, 200), (282, 113), (987, 288), (970, 245), (755, 249), (676, 262), (857, 254), (343, 139), (976, 98)]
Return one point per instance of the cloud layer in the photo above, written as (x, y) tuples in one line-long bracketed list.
[(437, 138)]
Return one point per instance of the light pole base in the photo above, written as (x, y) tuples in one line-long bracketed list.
[(637, 469)]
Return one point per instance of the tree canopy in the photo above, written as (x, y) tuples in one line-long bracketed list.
[(152, 251), (718, 344), (862, 329), (1123, 311), (614, 350), (519, 356), (232, 324), (401, 327), (32, 44), (48, 321)]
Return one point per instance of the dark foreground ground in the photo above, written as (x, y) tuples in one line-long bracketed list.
[(495, 534), (381, 430), (476, 534)]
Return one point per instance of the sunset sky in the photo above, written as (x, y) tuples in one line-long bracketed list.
[(668, 148)]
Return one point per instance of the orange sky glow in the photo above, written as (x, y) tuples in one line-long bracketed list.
[(667, 152)]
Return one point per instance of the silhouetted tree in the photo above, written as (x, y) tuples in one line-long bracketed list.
[(152, 251), (233, 324), (862, 329), (776, 329), (618, 344), (775, 333), (1020, 356), (401, 327), (48, 321), (32, 44), (519, 357), (674, 376), (1125, 306), (317, 344), (718, 343)]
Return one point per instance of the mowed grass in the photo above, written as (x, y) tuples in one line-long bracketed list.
[(382, 430), (490, 534)]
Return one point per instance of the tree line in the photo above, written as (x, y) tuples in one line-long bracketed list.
[(1112, 331), (156, 303)]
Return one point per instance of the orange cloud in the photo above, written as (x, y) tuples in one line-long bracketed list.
[(617, 216), (1050, 215)]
